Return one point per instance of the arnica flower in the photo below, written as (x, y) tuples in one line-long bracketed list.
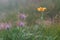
[(41, 9)]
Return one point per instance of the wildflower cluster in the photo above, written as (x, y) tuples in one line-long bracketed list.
[(21, 19), (5, 25)]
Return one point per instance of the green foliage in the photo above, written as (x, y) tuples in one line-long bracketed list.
[(31, 33)]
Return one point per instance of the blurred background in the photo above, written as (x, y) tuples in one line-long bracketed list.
[(29, 6), (25, 21)]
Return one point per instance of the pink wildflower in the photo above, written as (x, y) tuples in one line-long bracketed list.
[(7, 25), (20, 23), (22, 16), (1, 26)]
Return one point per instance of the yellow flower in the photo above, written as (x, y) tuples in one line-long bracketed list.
[(42, 9)]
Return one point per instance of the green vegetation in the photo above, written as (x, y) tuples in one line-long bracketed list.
[(32, 30)]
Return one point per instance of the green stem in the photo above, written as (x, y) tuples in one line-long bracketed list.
[(42, 16)]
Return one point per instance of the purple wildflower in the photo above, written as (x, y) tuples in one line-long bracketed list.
[(7, 26), (23, 16), (20, 23)]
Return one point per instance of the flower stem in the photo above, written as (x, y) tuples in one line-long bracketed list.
[(42, 19)]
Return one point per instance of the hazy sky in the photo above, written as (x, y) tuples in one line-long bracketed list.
[(3, 1)]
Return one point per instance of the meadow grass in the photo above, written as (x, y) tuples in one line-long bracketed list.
[(33, 32)]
